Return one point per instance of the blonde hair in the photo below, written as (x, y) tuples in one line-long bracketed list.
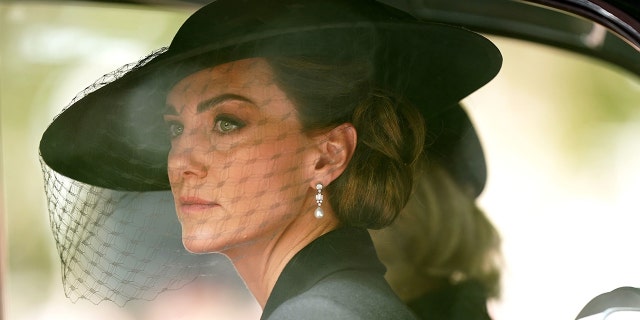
[(441, 237)]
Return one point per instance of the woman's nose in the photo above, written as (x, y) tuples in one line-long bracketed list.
[(188, 159)]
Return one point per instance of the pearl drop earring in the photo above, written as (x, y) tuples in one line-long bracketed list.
[(319, 213)]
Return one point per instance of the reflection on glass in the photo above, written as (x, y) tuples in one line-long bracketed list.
[(615, 314), (560, 134)]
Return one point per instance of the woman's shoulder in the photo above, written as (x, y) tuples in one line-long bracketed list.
[(338, 276), (349, 294)]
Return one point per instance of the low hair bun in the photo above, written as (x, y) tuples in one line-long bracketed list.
[(378, 181)]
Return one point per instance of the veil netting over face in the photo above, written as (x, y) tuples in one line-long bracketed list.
[(105, 156)]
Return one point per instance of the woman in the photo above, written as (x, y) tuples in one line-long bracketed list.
[(442, 253), (284, 130)]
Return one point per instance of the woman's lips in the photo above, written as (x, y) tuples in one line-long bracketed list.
[(190, 204)]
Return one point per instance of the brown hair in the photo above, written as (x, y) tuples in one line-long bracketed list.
[(379, 178), (441, 237)]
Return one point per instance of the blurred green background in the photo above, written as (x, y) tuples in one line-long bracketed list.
[(49, 53), (560, 131)]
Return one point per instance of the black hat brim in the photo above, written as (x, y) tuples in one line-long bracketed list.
[(114, 137)]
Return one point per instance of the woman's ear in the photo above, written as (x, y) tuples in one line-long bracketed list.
[(336, 149)]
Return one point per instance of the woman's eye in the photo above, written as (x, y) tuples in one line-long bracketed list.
[(175, 129), (227, 125)]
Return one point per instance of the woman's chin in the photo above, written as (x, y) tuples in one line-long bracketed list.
[(200, 244)]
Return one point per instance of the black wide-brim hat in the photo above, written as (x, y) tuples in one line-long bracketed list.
[(114, 137)]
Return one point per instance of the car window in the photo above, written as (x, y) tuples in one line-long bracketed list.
[(560, 133)]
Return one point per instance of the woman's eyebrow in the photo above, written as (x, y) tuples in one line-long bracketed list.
[(210, 103), (170, 110)]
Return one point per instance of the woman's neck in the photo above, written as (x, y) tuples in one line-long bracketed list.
[(261, 262)]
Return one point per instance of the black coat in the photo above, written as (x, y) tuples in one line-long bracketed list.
[(462, 301), (337, 276)]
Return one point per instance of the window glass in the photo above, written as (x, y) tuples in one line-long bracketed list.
[(559, 130)]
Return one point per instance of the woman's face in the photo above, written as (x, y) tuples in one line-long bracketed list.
[(238, 164)]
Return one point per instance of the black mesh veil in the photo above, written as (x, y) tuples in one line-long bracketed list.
[(218, 142), (120, 245)]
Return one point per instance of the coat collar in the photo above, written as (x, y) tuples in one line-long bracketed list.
[(341, 249)]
